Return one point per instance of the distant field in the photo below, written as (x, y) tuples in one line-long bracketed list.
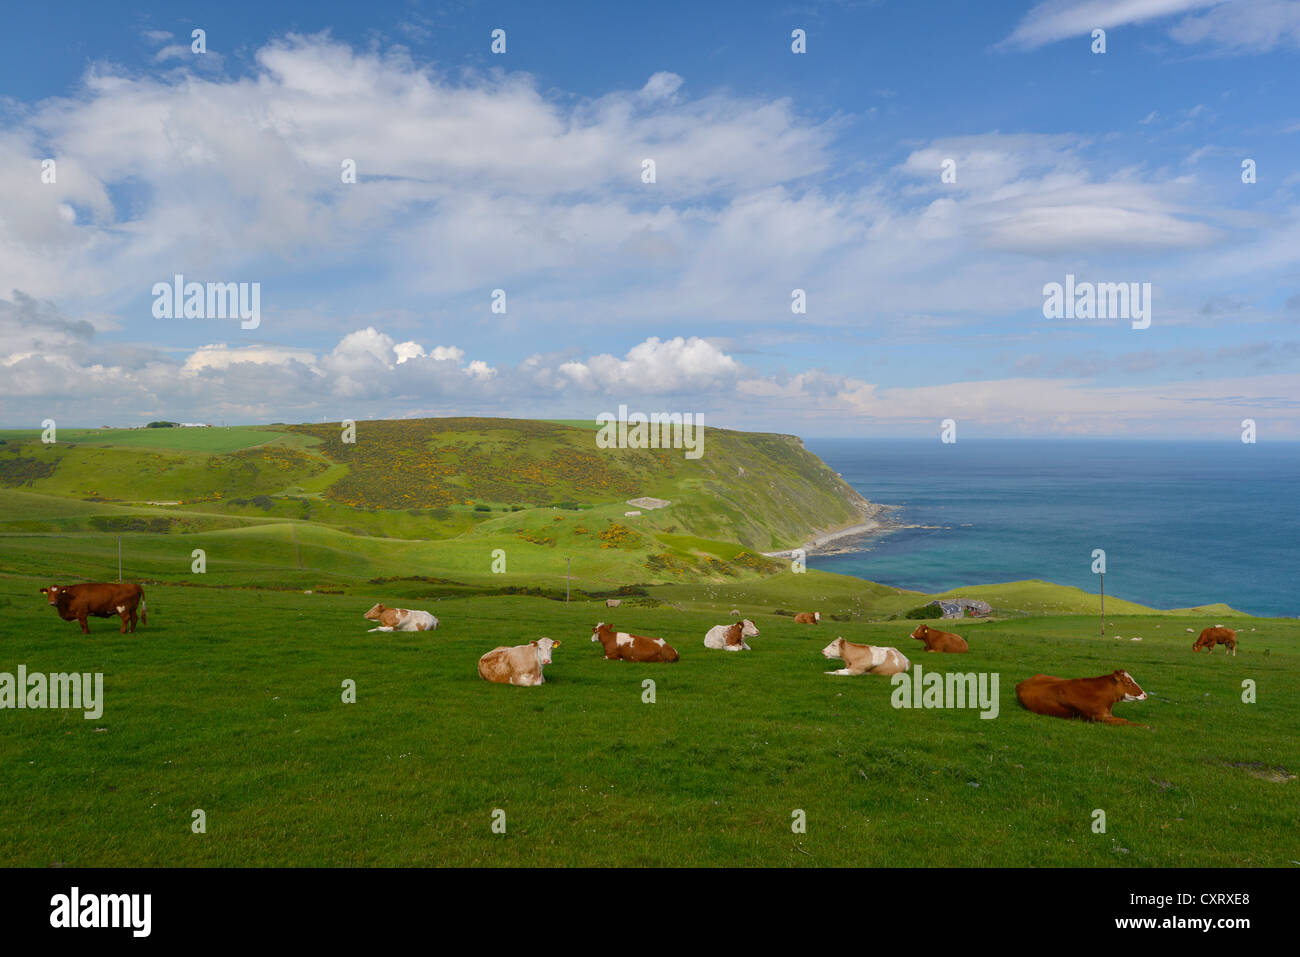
[(229, 701), (217, 439)]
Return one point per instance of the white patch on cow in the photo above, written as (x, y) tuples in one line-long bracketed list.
[(121, 609), (624, 638), (660, 642), (878, 655)]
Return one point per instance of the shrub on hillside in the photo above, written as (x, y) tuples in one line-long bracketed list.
[(925, 611)]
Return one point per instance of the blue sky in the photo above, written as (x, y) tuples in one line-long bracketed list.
[(774, 171)]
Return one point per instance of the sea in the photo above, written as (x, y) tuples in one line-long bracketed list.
[(1182, 523)]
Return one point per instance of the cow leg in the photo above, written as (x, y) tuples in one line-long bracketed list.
[(85, 629), (1113, 719), (134, 619)]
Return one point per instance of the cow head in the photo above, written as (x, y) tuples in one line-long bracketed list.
[(52, 593), (544, 647), (747, 628), (817, 616), (921, 633), (374, 613), (595, 632), (834, 650), (1129, 687)]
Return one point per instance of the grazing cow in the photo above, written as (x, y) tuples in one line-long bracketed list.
[(620, 646), (808, 617), (613, 602), (731, 637), (1218, 635), (518, 665), (1088, 698), (865, 659), (936, 640), (101, 599), (400, 619)]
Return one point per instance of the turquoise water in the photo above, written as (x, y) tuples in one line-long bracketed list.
[(1182, 523)]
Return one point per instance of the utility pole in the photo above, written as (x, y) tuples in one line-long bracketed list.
[(568, 567), (119, 558), (1101, 576)]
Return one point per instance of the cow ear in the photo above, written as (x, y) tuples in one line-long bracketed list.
[(555, 644), (533, 643)]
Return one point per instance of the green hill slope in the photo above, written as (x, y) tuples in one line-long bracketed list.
[(417, 497)]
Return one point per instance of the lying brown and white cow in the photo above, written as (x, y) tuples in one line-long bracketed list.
[(1218, 635), (620, 646), (518, 665), (731, 637), (865, 659), (808, 617), (400, 619), (1088, 698), (101, 599), (936, 640)]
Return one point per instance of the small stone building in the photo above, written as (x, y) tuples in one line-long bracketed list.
[(963, 607)]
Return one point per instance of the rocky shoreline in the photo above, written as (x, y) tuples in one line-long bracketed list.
[(877, 520)]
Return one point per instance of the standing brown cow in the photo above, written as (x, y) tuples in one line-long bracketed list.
[(619, 645), (936, 640), (101, 599), (1218, 635)]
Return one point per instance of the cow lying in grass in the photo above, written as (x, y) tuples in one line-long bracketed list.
[(731, 637), (1087, 698), (518, 665), (936, 640), (400, 619), (101, 599), (620, 646), (865, 659), (1218, 635), (808, 617)]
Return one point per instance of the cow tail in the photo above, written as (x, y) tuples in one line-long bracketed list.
[(144, 610)]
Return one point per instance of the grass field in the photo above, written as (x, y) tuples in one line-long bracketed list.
[(230, 701)]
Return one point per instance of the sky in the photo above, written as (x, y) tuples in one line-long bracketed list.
[(922, 173)]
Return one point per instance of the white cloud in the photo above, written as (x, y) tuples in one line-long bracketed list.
[(656, 367), (220, 357), (1058, 19), (1256, 26), (1239, 26)]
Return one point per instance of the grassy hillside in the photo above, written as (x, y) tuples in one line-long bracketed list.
[(454, 490), (230, 701)]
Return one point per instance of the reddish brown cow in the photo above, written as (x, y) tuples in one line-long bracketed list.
[(101, 599), (936, 640), (619, 645), (1218, 635), (808, 617), (1087, 698)]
